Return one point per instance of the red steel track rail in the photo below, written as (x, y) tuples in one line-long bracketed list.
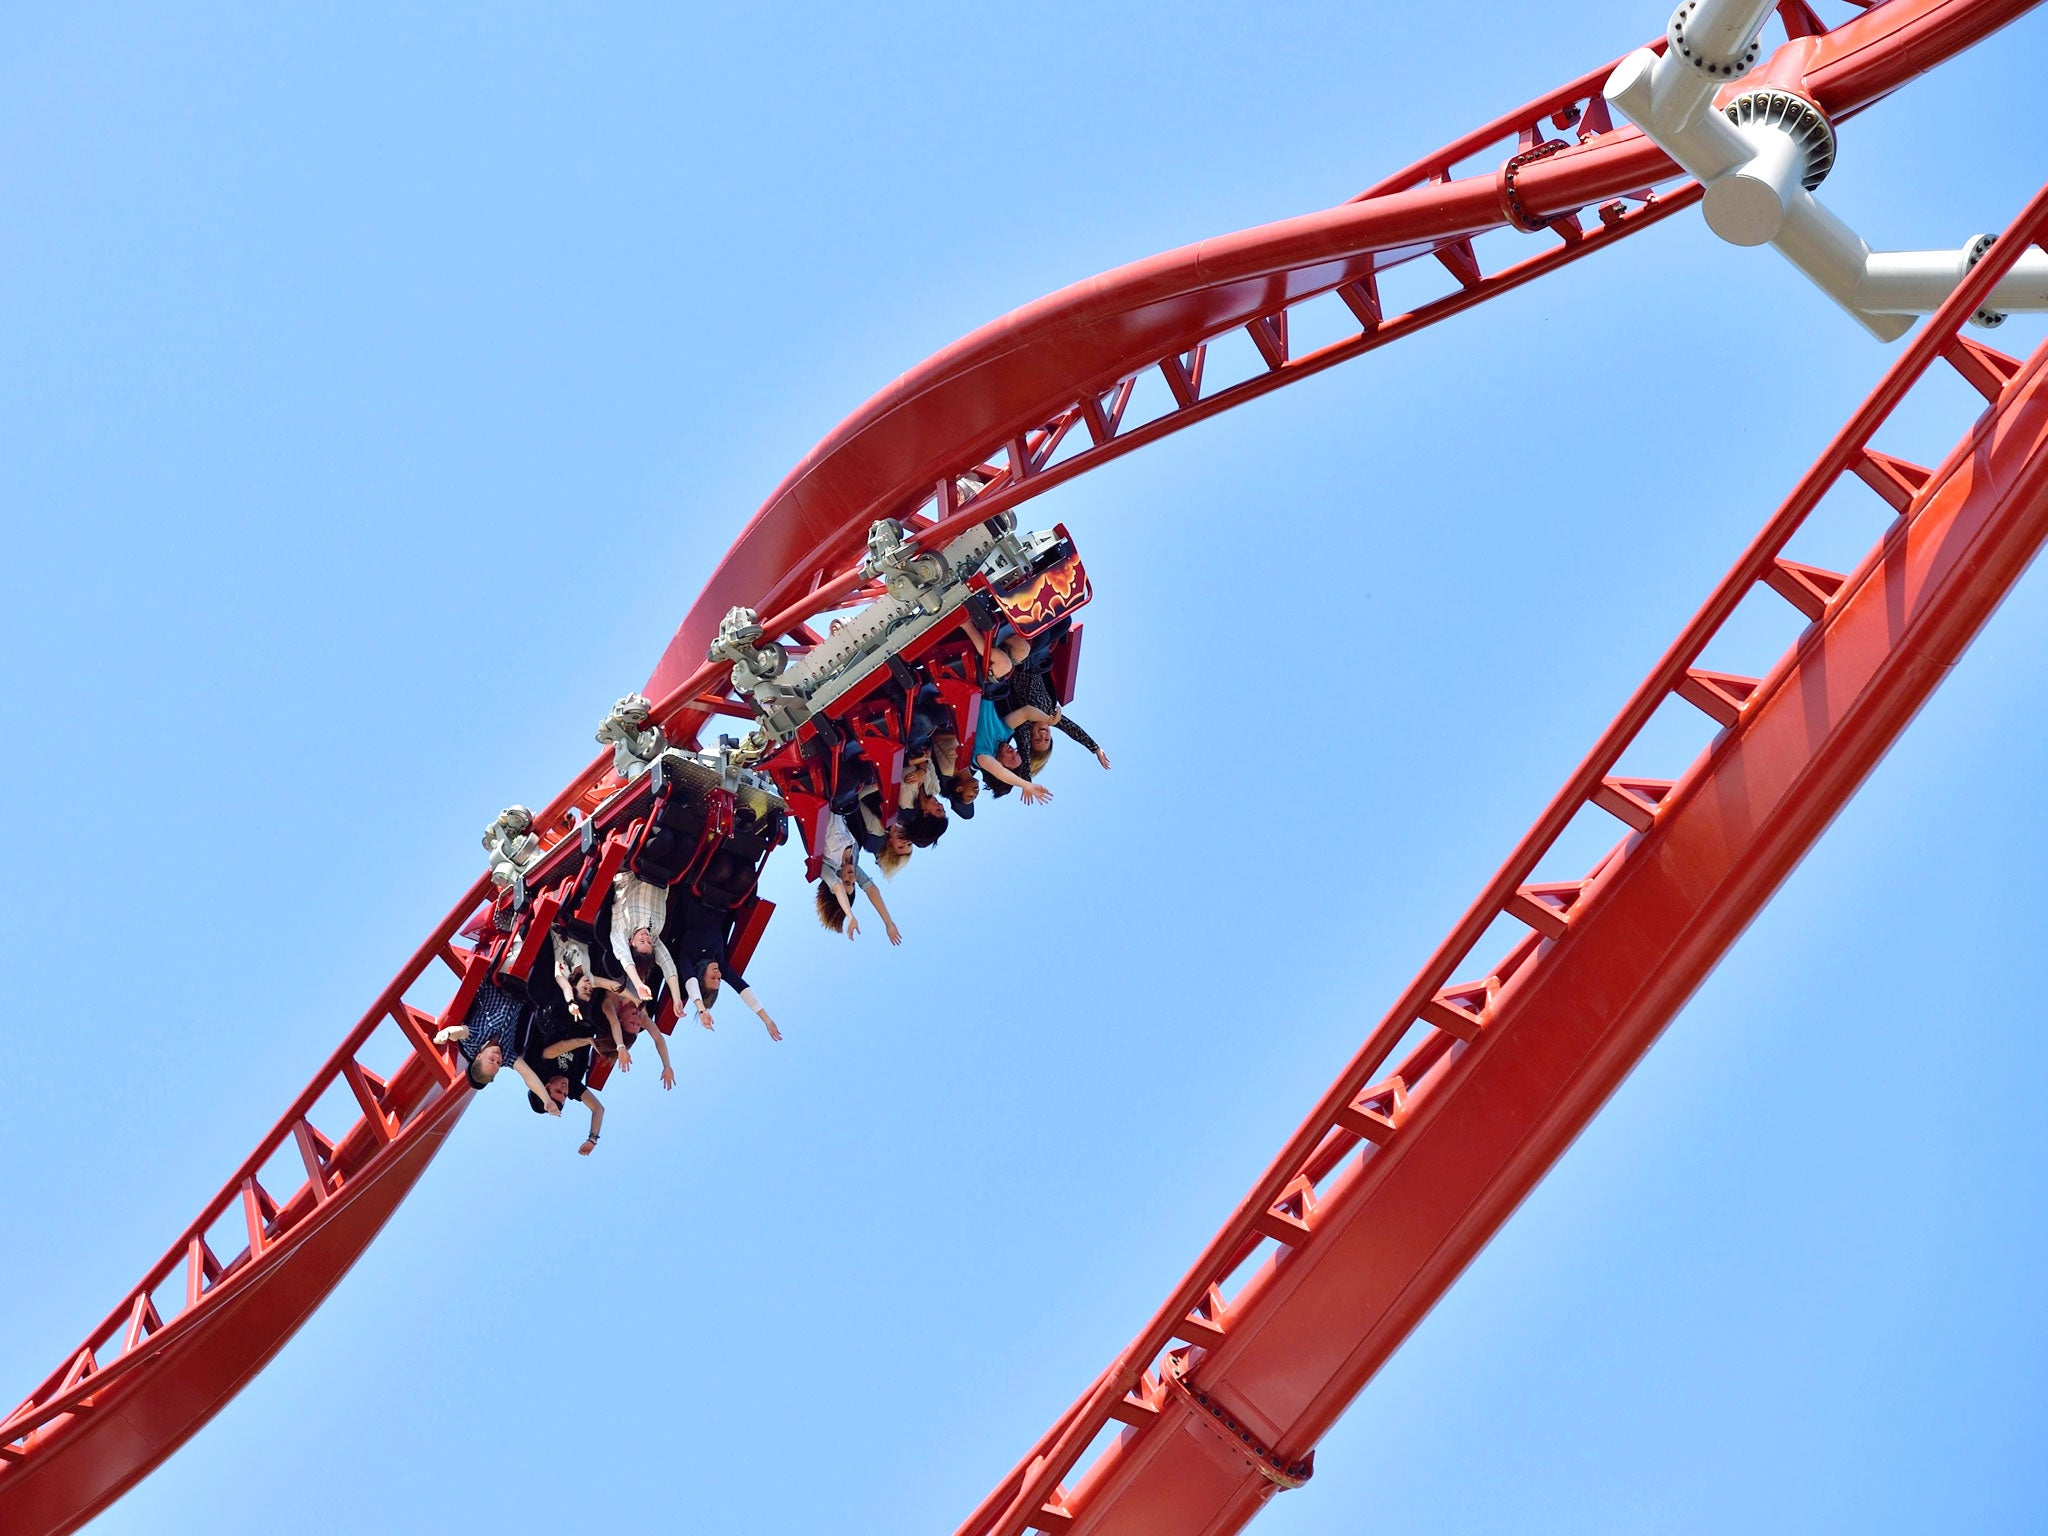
[(1046, 392), (1410, 1162), (1033, 399), (197, 1327)]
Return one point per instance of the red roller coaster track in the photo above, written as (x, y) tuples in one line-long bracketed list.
[(1468, 1091)]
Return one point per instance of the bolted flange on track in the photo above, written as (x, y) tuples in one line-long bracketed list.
[(1703, 57), (1766, 107)]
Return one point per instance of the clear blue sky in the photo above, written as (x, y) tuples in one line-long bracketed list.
[(380, 384)]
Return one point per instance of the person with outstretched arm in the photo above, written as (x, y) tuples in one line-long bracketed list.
[(703, 987), (490, 1035), (991, 744), (628, 1023), (704, 935), (560, 1060), (840, 876)]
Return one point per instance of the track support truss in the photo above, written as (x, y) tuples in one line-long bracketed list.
[(1467, 1092)]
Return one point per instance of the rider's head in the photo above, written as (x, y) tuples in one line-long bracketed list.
[(1041, 747), (485, 1065)]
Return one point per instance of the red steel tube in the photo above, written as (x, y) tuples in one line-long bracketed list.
[(1056, 1457)]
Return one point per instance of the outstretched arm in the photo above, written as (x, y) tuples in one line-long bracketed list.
[(1074, 732), (622, 946), (753, 1002), (596, 1120), (611, 1017), (568, 989), (667, 963), (534, 1085), (1032, 793), (668, 1072), (882, 907)]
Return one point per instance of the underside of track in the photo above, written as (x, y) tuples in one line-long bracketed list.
[(1467, 1091)]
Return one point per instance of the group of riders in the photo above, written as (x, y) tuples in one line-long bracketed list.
[(663, 940)]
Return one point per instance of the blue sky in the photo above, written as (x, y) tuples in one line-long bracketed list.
[(380, 386)]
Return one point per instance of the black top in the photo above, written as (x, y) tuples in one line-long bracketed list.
[(1030, 687), (702, 932), (699, 930), (552, 1023)]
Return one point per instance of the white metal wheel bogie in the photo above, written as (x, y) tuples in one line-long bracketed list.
[(1760, 156)]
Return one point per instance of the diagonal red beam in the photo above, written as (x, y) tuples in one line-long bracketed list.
[(1018, 371), (1397, 1228), (1009, 1508), (150, 1401), (1007, 380)]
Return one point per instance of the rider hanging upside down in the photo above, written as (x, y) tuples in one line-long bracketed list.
[(931, 730), (1025, 697), (705, 931), (490, 1035), (998, 757), (919, 811), (838, 878), (639, 912), (627, 1025), (558, 1054), (1013, 734), (605, 1010), (859, 804)]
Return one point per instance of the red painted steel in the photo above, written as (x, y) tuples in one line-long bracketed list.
[(1224, 1396), (162, 1363), (1049, 376), (1033, 400)]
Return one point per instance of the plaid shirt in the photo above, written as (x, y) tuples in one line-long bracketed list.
[(494, 1018), (639, 904)]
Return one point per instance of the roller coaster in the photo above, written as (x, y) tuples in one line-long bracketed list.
[(878, 572)]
